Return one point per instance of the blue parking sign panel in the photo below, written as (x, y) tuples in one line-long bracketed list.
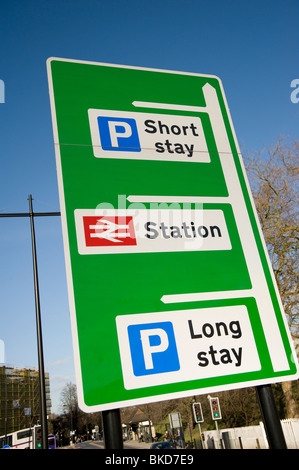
[(118, 134), (153, 348)]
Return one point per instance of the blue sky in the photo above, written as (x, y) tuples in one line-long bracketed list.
[(251, 46)]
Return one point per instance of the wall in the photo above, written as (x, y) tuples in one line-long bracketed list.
[(251, 437)]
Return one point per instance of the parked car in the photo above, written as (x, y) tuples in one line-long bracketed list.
[(162, 445)]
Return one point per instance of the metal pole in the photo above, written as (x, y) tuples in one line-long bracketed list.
[(27, 214), (43, 406), (5, 405), (270, 417), (112, 429)]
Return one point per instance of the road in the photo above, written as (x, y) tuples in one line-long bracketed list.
[(101, 445)]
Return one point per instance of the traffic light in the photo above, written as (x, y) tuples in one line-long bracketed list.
[(215, 408), (197, 412), (38, 437)]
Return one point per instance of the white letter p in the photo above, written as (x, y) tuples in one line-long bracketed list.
[(148, 350), (126, 131)]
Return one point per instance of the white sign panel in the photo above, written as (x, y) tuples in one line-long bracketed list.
[(184, 345), (146, 136), (109, 231)]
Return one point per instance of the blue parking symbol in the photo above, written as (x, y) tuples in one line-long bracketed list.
[(118, 134), (153, 348)]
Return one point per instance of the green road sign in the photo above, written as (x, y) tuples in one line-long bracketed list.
[(171, 292)]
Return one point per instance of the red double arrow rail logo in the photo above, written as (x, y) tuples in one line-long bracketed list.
[(109, 231)]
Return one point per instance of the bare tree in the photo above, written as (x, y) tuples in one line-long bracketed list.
[(69, 404), (68, 397), (274, 180), (273, 176)]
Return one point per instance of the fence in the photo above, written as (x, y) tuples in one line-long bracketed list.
[(251, 437)]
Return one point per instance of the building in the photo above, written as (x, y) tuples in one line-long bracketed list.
[(20, 398), (137, 426)]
